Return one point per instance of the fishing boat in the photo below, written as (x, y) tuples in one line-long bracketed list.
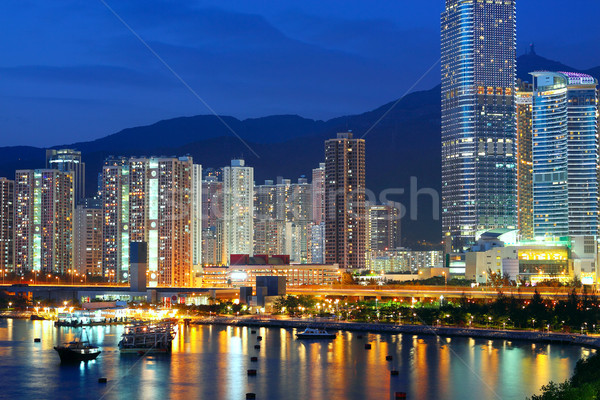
[(314, 333), (148, 338), (77, 350)]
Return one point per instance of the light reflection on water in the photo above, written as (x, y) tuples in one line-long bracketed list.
[(211, 362)]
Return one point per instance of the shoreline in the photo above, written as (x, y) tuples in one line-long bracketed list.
[(446, 331), (480, 333)]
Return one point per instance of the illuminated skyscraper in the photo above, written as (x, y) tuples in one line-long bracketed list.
[(69, 160), (213, 250), (478, 122), (565, 154), (345, 227), (318, 194), (115, 210), (524, 101), (150, 200), (7, 191), (43, 221), (196, 219), (238, 207)]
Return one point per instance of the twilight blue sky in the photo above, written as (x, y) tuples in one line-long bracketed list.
[(70, 71)]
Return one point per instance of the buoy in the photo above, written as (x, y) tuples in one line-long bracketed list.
[(394, 372), (253, 358), (37, 340), (368, 346), (257, 346), (102, 380), (400, 396), (359, 336), (250, 396), (259, 338), (252, 331), (251, 372), (388, 358)]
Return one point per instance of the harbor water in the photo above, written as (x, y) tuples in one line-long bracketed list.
[(211, 362)]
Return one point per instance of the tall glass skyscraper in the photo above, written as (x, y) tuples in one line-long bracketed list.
[(478, 118), (565, 154)]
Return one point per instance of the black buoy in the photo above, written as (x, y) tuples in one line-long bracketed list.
[(394, 372), (250, 396), (400, 396), (359, 336), (252, 331), (368, 346), (102, 380), (253, 359), (37, 340), (257, 346), (251, 372), (388, 358), (259, 338)]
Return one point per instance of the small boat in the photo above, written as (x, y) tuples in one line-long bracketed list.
[(314, 333), (77, 351), (35, 317)]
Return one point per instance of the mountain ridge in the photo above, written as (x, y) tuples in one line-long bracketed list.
[(402, 147)]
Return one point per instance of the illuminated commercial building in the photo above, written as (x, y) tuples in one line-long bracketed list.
[(565, 154), (536, 261), (238, 208), (244, 273), (87, 241), (7, 192), (69, 160), (213, 251), (43, 221), (524, 101), (478, 118), (345, 225)]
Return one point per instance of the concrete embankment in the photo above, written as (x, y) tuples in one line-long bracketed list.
[(531, 336)]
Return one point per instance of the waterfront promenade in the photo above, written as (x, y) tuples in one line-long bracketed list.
[(503, 334)]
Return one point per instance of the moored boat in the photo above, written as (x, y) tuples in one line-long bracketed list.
[(148, 338), (77, 350), (314, 333)]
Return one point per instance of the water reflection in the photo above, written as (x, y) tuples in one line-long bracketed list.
[(211, 362)]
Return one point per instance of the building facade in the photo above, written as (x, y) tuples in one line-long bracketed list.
[(478, 118), (524, 102), (565, 154), (7, 225), (69, 160), (87, 241), (345, 225), (43, 221), (318, 194), (149, 200), (383, 227), (213, 250), (238, 208)]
